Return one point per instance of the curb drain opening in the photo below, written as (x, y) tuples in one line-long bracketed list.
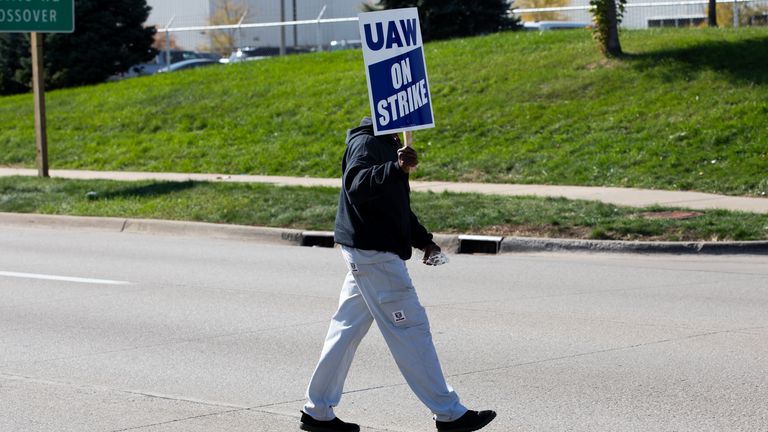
[(479, 245), (311, 239)]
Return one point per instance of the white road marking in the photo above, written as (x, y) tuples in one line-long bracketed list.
[(62, 278)]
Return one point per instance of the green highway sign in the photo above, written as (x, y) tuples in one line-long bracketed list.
[(44, 16)]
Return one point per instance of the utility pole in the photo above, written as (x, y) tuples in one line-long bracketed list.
[(282, 27), (295, 27)]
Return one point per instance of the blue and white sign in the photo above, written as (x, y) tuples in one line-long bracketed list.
[(398, 88)]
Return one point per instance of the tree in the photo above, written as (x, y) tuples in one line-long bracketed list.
[(541, 16), (109, 38), (607, 15), (163, 40), (226, 12), (443, 19), (712, 13), (14, 53), (745, 15)]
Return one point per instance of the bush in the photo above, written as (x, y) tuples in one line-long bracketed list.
[(444, 19)]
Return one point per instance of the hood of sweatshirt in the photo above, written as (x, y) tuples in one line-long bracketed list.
[(365, 128)]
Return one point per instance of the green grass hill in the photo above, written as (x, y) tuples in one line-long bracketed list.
[(685, 109)]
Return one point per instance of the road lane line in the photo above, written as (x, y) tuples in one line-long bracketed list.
[(62, 278)]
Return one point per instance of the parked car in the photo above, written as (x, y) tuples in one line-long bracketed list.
[(159, 62), (259, 53), (338, 45), (248, 54), (188, 64), (555, 25)]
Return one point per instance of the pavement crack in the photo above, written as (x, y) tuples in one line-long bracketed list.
[(49, 382), (181, 399), (170, 342), (179, 420), (196, 417), (272, 404), (585, 354), (552, 359), (73, 299)]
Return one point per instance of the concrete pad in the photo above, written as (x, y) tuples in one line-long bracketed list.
[(223, 335), (39, 405), (632, 197), (234, 421)]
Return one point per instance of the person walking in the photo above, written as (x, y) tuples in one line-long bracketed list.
[(377, 230)]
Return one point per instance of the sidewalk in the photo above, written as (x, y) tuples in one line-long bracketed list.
[(630, 197)]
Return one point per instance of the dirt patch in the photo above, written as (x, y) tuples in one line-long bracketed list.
[(474, 176), (547, 231), (602, 64), (675, 214), (579, 233)]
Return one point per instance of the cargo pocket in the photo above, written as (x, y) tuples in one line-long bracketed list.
[(402, 308)]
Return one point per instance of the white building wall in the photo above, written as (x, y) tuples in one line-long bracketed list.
[(637, 17), (305, 35), (198, 12), (184, 13)]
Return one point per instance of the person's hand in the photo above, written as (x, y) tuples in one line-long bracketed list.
[(407, 158), (429, 250)]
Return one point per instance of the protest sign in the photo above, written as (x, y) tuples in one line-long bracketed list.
[(398, 88)]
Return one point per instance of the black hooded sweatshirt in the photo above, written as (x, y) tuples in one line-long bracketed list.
[(374, 205)]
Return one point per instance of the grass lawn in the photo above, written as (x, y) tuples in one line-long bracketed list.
[(685, 109), (315, 209)]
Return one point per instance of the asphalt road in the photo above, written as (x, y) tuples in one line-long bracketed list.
[(103, 331)]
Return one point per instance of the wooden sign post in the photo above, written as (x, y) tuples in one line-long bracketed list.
[(38, 17), (408, 138), (408, 142), (38, 88)]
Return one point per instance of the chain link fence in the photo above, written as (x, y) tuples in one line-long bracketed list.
[(653, 13), (223, 26)]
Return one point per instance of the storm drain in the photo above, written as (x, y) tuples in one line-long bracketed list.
[(475, 244), (317, 239)]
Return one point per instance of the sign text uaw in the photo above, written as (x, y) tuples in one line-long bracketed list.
[(398, 87)]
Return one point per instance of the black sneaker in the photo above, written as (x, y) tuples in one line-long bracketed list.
[(470, 421), (310, 424)]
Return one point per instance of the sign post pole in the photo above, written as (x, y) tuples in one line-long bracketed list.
[(408, 142), (408, 138), (38, 17), (38, 87)]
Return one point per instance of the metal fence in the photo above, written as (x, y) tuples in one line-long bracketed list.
[(661, 13), (325, 24), (310, 24)]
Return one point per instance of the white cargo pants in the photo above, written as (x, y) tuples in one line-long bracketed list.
[(378, 288)]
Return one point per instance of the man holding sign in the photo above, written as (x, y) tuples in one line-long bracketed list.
[(377, 231)]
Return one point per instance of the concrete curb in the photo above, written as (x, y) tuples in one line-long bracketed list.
[(125, 225), (450, 243), (527, 244)]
